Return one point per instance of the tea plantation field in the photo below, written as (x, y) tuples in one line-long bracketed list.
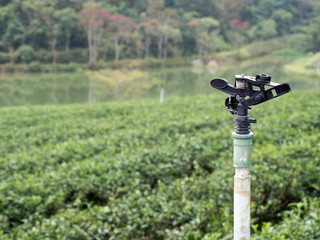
[(141, 170)]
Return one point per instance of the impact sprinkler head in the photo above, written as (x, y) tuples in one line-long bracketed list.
[(243, 95)]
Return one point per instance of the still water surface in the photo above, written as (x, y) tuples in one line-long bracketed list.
[(66, 88)]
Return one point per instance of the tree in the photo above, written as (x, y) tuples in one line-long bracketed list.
[(264, 30), (231, 9), (138, 40), (52, 31), (238, 28), (203, 7), (149, 29), (13, 37), (202, 28), (155, 7), (74, 4), (313, 33), (32, 18), (283, 19), (67, 21), (93, 18), (162, 19), (12, 30), (166, 33), (266, 7), (124, 84), (155, 12), (121, 29), (36, 32)]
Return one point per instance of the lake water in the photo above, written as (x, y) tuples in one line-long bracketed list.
[(66, 88)]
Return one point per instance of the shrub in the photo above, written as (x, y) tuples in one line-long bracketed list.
[(74, 55), (71, 67), (102, 64), (4, 58), (43, 56), (25, 53), (8, 68), (34, 67), (301, 222)]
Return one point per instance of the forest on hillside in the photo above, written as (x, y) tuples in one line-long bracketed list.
[(81, 31)]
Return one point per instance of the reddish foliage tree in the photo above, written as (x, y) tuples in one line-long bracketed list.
[(120, 28), (239, 25), (94, 20)]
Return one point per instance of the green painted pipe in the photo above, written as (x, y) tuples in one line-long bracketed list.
[(242, 144)]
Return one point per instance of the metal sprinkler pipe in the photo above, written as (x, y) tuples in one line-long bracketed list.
[(238, 104), (242, 192)]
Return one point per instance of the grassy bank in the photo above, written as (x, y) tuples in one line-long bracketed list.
[(141, 170), (294, 43), (306, 66)]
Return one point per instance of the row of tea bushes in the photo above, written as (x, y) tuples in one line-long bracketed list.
[(302, 222), (144, 170)]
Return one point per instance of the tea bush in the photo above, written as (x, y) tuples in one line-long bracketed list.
[(144, 170), (302, 222)]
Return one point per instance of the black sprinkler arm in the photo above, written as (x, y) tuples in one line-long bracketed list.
[(238, 104)]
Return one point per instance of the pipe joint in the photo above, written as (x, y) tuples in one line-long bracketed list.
[(242, 150)]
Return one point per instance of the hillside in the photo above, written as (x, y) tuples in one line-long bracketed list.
[(52, 31)]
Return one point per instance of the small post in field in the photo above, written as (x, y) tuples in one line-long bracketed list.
[(161, 94)]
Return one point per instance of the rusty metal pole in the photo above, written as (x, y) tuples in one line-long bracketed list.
[(242, 194)]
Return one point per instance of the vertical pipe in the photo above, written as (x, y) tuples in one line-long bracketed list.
[(242, 161), (161, 94), (242, 204)]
